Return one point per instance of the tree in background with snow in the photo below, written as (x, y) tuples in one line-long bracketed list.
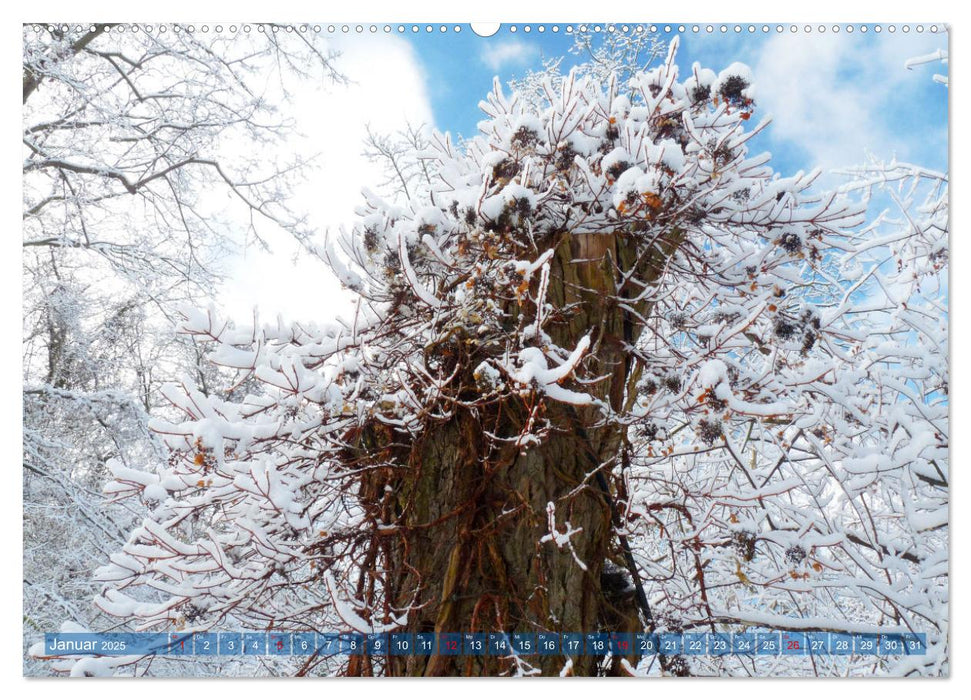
[(126, 129)]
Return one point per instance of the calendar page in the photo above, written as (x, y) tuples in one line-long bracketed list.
[(485, 350)]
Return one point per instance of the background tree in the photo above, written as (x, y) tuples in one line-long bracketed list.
[(126, 128)]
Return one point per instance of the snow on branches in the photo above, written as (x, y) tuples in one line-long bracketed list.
[(609, 263)]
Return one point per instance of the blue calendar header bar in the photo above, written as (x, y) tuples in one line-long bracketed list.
[(755, 643)]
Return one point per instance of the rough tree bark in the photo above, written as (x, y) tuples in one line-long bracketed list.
[(468, 556)]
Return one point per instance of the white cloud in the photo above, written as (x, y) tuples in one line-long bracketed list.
[(387, 91), (498, 54), (833, 96)]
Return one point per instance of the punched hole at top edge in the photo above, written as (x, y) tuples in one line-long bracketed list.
[(485, 29)]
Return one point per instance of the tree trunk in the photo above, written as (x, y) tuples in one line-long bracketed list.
[(472, 515)]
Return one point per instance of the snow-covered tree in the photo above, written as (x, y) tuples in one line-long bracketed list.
[(126, 129), (607, 372)]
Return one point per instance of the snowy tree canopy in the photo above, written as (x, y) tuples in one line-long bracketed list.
[(146, 160), (600, 335)]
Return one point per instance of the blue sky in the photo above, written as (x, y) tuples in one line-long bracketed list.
[(833, 97)]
